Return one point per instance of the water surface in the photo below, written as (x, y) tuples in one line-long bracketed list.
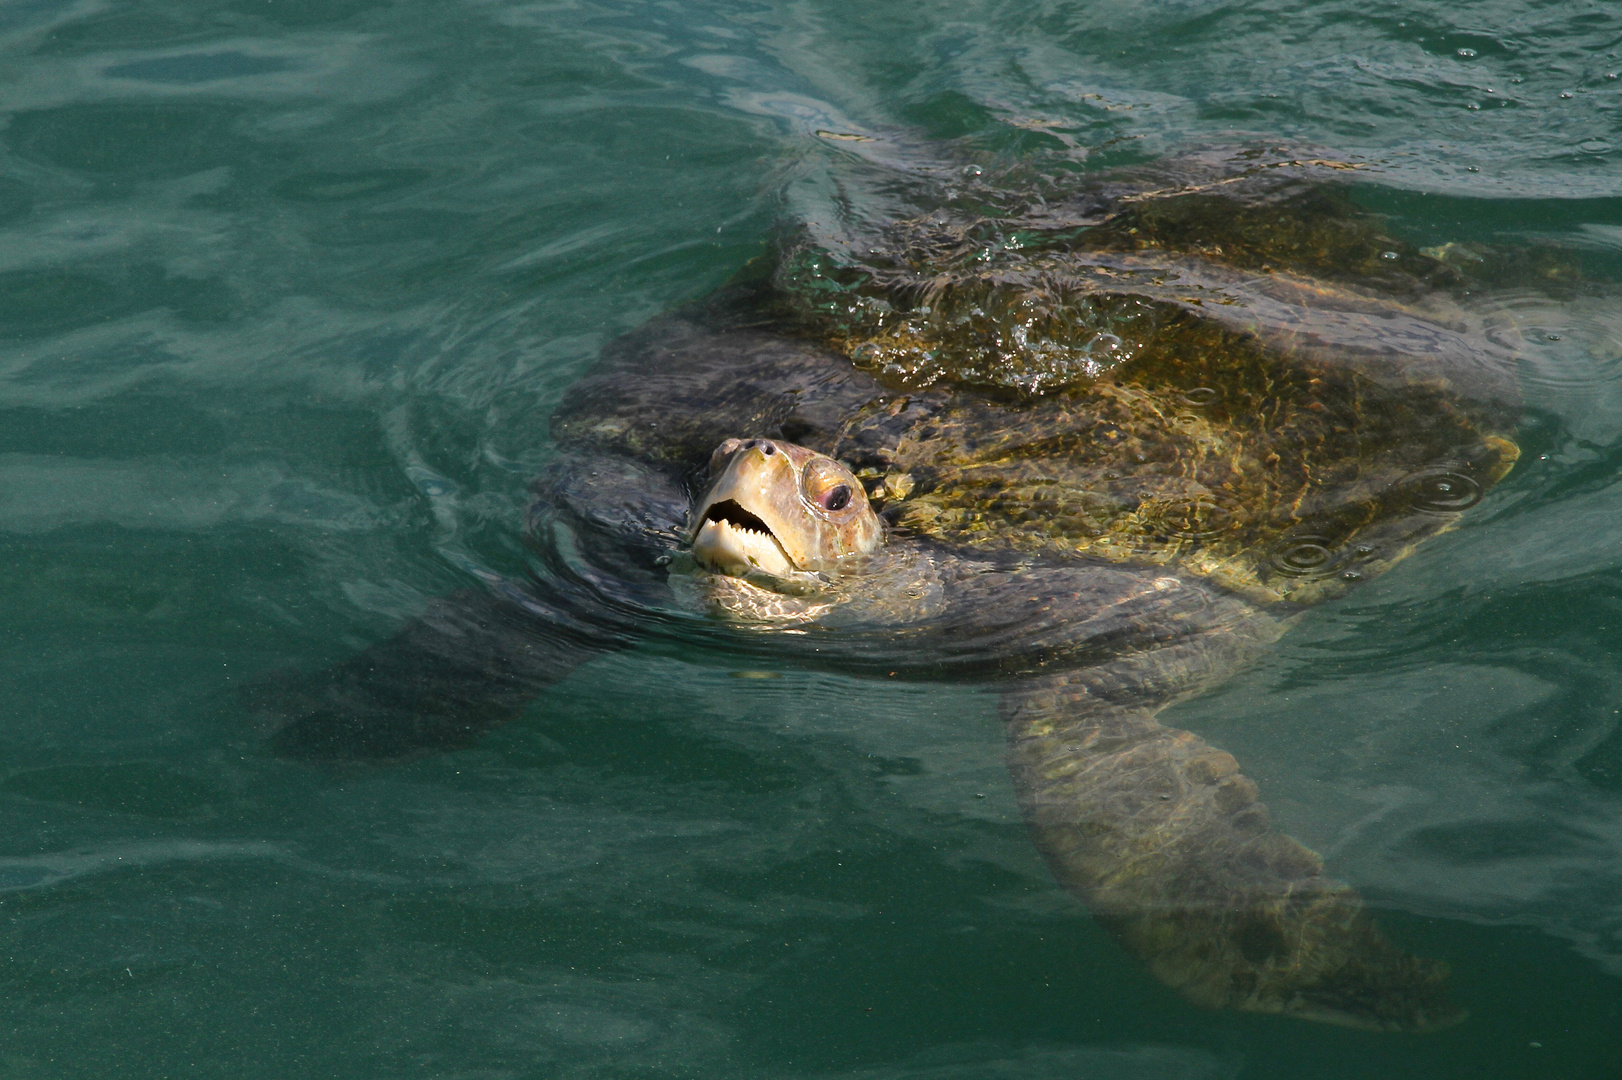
[(287, 291)]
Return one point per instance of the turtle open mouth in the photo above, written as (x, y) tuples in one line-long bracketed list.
[(729, 511), (732, 540)]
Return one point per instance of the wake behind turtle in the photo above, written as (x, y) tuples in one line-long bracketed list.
[(1100, 442)]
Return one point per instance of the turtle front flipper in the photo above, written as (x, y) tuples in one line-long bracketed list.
[(473, 661), (477, 658), (1166, 841)]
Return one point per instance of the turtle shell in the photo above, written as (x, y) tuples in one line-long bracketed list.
[(1243, 379)]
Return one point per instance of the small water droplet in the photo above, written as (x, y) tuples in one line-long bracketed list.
[(1389, 255), (1566, 95), (1351, 575), (1472, 168), (1610, 75), (1516, 79), (1551, 337), (1466, 53), (1473, 107), (1363, 551)]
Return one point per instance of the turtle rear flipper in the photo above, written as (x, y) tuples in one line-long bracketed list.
[(1164, 839)]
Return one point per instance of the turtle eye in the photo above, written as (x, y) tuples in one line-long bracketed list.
[(828, 485)]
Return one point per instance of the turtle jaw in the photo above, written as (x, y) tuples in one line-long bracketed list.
[(730, 540)]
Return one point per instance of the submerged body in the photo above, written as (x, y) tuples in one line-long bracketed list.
[(1103, 472)]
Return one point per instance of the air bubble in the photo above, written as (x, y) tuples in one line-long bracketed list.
[(1551, 337), (1351, 575), (1107, 342), (1200, 395), (1566, 95), (1473, 107), (1389, 255), (1466, 53)]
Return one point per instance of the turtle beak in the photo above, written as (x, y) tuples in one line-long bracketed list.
[(744, 522)]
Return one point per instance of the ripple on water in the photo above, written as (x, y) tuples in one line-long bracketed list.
[(1305, 556), (1193, 517), (1562, 345), (1442, 491)]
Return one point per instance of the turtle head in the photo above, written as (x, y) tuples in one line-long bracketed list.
[(780, 510)]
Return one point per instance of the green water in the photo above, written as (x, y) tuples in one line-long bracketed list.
[(287, 291)]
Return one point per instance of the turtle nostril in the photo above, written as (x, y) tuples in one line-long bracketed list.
[(767, 448)]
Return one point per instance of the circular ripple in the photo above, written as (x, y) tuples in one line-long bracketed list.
[(1198, 517), (1442, 491), (1304, 556), (1200, 395)]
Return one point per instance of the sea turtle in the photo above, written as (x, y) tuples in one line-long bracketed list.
[(1100, 441)]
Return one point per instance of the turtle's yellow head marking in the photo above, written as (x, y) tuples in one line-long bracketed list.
[(780, 510)]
